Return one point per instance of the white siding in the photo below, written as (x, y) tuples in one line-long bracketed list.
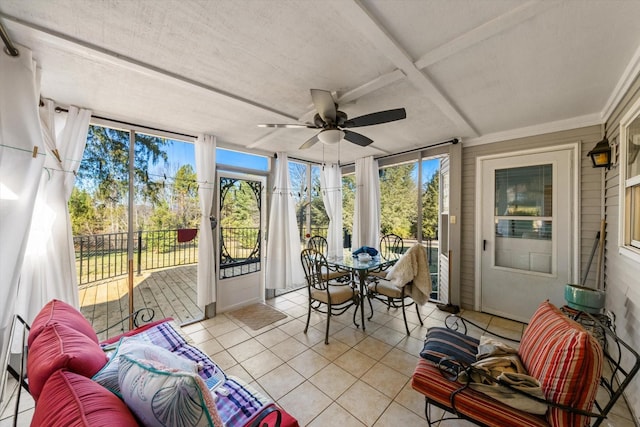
[(622, 275)]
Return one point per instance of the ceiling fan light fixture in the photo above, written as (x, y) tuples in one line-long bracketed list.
[(331, 136)]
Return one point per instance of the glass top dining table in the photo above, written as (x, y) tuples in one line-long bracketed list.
[(361, 269)]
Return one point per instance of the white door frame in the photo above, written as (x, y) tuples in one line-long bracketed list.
[(574, 247)]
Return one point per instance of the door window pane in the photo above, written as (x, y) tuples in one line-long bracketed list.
[(523, 218), (524, 191)]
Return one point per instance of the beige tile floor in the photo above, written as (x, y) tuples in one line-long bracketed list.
[(359, 379)]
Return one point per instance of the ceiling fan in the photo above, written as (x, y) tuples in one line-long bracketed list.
[(335, 123)]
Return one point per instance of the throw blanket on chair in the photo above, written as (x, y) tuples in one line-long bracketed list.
[(412, 269)]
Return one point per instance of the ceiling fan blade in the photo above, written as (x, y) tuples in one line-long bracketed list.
[(325, 105), (288, 125), (309, 142), (357, 138), (376, 118)]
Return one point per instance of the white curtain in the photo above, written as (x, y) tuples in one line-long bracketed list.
[(20, 172), (366, 213), (49, 269), (283, 242), (331, 186), (206, 172)]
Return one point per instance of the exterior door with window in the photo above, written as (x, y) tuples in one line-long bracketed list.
[(526, 249), (240, 240)]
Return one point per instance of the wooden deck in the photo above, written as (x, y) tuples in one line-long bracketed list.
[(170, 292)]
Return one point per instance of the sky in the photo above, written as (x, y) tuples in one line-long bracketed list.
[(429, 167), (180, 153)]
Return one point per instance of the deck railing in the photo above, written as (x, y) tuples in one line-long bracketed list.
[(103, 256)]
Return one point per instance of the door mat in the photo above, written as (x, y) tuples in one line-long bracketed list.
[(257, 316)]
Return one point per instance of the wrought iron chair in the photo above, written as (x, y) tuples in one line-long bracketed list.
[(391, 246), (320, 245), (325, 295)]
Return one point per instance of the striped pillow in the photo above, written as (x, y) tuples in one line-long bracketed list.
[(566, 360), (443, 342)]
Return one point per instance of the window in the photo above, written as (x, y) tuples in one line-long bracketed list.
[(242, 160), (398, 200), (310, 213), (165, 200), (523, 218), (630, 179)]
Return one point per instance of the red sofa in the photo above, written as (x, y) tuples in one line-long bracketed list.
[(64, 354)]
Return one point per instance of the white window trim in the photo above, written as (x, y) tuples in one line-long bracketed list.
[(626, 120)]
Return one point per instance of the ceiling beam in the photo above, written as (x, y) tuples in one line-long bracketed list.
[(477, 35), (371, 86), (360, 18), (485, 31)]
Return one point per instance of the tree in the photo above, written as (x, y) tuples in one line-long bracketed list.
[(185, 197), (319, 217), (398, 195), (430, 207), (298, 181), (348, 201), (104, 172), (83, 212), (161, 217), (314, 207), (239, 205)]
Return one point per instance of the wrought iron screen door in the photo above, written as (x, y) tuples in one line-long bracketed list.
[(240, 240)]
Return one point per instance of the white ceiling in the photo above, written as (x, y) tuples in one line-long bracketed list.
[(479, 70)]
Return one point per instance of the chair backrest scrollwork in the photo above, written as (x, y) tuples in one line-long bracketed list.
[(391, 246), (319, 244), (314, 263)]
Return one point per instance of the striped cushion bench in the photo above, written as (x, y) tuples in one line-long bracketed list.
[(470, 404), (556, 350)]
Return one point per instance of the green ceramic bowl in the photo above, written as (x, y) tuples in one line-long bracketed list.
[(584, 299)]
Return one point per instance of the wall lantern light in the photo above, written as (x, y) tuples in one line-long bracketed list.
[(601, 154)]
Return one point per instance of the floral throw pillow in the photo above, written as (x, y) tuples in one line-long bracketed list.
[(108, 375), (161, 396)]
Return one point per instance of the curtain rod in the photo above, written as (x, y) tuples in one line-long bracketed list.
[(295, 159), (415, 150), (9, 49), (453, 141), (60, 109)]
